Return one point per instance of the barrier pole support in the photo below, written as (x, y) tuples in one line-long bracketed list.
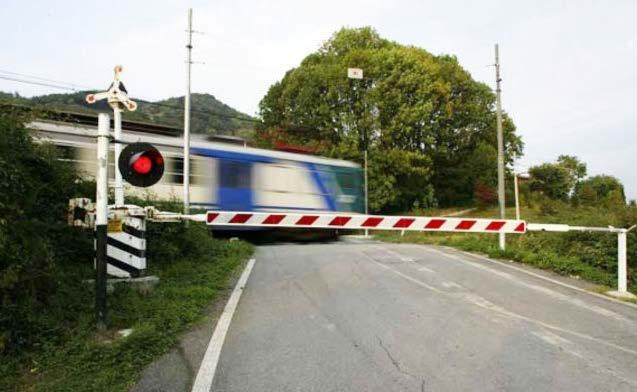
[(622, 284)]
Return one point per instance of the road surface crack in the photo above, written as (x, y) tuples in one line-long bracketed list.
[(393, 360)]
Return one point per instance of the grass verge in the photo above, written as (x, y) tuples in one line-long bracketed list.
[(588, 256), (193, 268)]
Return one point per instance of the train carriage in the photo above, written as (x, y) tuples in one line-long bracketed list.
[(223, 176)]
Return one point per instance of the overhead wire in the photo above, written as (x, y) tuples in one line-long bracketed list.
[(35, 83)]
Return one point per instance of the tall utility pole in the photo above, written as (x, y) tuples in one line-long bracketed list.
[(498, 92), (357, 73), (186, 170)]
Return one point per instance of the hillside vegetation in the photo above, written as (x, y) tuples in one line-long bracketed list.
[(208, 115)]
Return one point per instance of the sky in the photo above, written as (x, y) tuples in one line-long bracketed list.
[(569, 68)]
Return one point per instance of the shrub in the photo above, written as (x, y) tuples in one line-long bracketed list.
[(484, 195), (34, 239)]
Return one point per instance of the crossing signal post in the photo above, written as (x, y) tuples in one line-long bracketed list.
[(140, 164)]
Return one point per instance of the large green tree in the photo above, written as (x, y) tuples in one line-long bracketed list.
[(422, 118)]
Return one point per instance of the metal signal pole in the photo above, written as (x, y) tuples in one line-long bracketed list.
[(117, 132), (186, 169), (101, 219), (500, 143)]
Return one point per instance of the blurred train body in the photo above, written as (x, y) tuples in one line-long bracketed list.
[(223, 176)]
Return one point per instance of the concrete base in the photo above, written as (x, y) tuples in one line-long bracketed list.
[(621, 295), (143, 284)]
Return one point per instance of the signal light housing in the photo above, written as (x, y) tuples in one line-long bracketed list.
[(141, 164)]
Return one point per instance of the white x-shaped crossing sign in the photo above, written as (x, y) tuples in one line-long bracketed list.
[(116, 94)]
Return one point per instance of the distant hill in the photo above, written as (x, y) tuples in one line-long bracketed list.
[(208, 115)]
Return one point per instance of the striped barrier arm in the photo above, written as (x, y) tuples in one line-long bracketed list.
[(354, 221)]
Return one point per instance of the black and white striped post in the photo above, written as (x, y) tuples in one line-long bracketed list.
[(101, 219), (126, 249)]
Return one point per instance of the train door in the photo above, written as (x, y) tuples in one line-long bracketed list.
[(235, 185)]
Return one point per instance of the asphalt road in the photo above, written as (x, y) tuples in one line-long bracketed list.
[(377, 317)]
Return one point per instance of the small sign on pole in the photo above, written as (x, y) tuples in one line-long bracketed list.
[(354, 73)]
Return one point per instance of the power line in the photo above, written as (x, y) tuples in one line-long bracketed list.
[(59, 85), (43, 79), (36, 83)]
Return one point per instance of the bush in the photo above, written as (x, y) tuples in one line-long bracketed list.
[(34, 239), (549, 206), (484, 195)]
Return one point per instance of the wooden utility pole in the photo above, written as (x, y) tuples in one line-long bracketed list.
[(186, 165), (498, 91)]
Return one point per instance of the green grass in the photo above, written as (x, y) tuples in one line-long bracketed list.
[(588, 256), (193, 269)]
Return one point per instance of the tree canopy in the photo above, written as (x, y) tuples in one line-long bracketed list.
[(557, 180), (428, 126), (601, 188)]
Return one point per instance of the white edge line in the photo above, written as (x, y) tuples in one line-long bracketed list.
[(546, 278), (208, 367)]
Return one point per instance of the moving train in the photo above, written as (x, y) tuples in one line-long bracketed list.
[(224, 175)]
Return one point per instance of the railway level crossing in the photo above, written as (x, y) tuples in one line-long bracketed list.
[(142, 165)]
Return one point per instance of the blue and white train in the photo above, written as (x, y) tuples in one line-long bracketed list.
[(224, 176)]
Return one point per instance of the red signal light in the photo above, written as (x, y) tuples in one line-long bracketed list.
[(142, 165)]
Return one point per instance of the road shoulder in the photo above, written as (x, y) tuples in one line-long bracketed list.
[(176, 370)]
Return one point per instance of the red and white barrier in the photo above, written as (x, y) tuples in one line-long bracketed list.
[(353, 221)]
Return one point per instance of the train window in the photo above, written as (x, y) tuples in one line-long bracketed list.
[(196, 176), (346, 180), (177, 175), (234, 174), (177, 171), (65, 153)]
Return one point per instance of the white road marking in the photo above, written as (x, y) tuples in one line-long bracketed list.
[(554, 294), (559, 342), (208, 367), (426, 270), (396, 254), (566, 346), (449, 285), (409, 278), (486, 304)]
